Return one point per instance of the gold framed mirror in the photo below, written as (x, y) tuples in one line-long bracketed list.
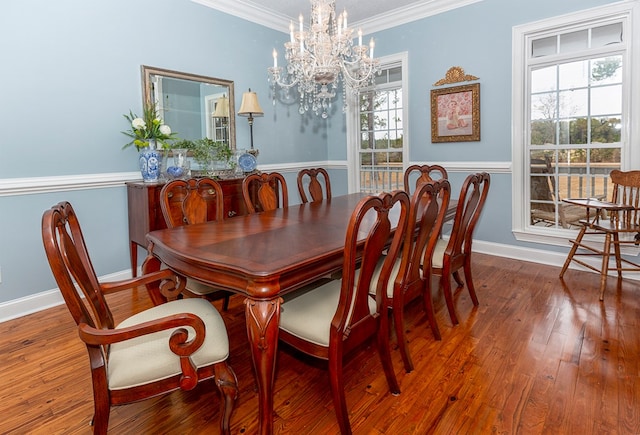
[(194, 106)]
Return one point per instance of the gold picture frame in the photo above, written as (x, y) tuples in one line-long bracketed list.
[(455, 114)]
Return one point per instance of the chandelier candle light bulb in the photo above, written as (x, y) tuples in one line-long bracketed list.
[(322, 59)]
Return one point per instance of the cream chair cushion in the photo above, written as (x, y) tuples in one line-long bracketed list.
[(308, 315), (198, 288), (146, 359), (438, 253), (376, 276)]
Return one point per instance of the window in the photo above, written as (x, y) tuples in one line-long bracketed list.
[(571, 123), (378, 131)]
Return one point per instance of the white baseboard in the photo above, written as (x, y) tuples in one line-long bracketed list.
[(51, 298), (41, 301)]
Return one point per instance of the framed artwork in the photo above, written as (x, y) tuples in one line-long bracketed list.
[(455, 114)]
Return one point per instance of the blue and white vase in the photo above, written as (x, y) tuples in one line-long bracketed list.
[(150, 161)]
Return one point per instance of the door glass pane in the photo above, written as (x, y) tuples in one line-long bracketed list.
[(574, 41), (606, 35), (606, 70), (544, 79), (544, 46), (573, 103), (606, 100), (606, 130), (574, 75)]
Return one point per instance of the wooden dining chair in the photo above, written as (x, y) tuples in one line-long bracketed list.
[(194, 201), (621, 222), (314, 186), (451, 255), (330, 320), (271, 192), (422, 174), (175, 345), (411, 273)]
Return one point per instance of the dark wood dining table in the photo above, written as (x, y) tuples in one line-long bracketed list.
[(262, 256)]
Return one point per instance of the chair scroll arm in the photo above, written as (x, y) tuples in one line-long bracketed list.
[(127, 284), (95, 336), (178, 341)]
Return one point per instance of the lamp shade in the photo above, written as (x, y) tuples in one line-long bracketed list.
[(250, 105), (222, 108)]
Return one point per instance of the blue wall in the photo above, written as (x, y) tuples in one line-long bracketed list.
[(72, 68)]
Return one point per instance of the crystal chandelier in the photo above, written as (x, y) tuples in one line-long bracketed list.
[(322, 56)]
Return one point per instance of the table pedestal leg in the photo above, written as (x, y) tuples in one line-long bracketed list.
[(263, 318)]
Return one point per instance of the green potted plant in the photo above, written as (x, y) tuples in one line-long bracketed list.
[(212, 156)]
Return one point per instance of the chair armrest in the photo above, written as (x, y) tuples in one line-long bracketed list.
[(177, 342), (125, 284)]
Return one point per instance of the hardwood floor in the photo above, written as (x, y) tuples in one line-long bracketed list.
[(536, 357)]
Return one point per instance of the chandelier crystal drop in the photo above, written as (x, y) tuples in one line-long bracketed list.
[(319, 58)]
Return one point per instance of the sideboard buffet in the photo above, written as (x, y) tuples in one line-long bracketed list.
[(145, 213)]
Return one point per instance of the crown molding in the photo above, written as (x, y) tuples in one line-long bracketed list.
[(407, 14), (250, 11), (256, 13)]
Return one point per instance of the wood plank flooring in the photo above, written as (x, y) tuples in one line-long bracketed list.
[(538, 356)]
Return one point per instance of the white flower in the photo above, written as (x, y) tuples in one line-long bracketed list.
[(138, 124), (165, 129)]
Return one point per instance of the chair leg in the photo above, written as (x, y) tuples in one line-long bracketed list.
[(445, 285), (427, 299), (227, 384), (469, 279), (337, 392), (458, 280), (398, 321), (225, 303), (616, 250), (101, 409), (573, 250), (605, 264)]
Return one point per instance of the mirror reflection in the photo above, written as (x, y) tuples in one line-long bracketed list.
[(194, 106)]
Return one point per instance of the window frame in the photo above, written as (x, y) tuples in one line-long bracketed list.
[(627, 12), (353, 120)]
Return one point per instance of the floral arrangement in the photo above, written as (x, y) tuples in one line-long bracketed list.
[(148, 127)]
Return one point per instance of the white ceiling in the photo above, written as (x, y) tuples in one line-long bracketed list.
[(370, 15)]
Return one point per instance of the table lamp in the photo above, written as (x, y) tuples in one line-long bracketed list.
[(250, 107)]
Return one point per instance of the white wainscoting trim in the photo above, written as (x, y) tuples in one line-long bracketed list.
[(63, 183)]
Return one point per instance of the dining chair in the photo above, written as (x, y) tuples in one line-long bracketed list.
[(423, 173), (313, 185), (451, 255), (621, 228), (194, 201), (271, 192), (411, 273), (329, 321), (175, 345), (543, 199)]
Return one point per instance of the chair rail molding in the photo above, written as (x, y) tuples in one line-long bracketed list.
[(62, 183)]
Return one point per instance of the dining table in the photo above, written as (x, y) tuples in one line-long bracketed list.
[(262, 256)]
